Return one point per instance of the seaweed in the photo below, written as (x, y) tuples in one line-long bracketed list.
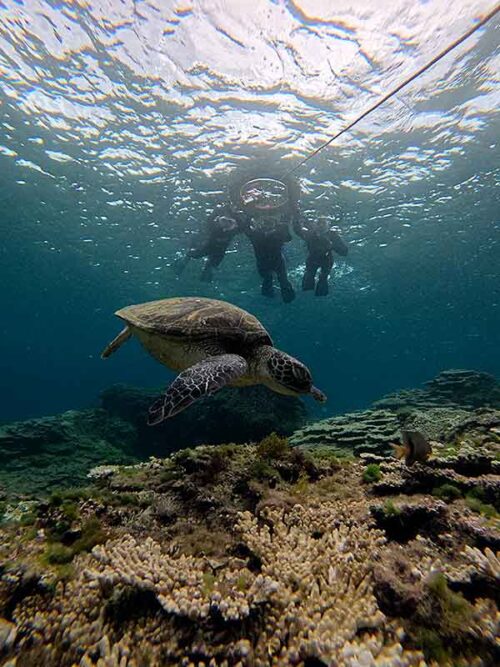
[(372, 473), (447, 492), (390, 509), (59, 551), (28, 519), (273, 448), (476, 505), (262, 470), (57, 554), (60, 496), (442, 622)]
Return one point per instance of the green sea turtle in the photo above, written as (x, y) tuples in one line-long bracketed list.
[(213, 344)]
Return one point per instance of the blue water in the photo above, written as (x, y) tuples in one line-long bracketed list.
[(118, 138)]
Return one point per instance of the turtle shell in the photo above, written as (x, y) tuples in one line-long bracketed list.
[(196, 319)]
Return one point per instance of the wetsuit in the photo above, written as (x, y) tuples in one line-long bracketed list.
[(321, 243), (267, 242), (221, 227)]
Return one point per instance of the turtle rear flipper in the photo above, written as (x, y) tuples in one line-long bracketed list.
[(116, 342), (202, 379)]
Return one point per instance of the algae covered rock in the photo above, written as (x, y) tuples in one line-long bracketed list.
[(231, 415), (37, 455)]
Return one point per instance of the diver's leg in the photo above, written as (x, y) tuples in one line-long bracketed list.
[(267, 287), (325, 268), (287, 291), (309, 277)]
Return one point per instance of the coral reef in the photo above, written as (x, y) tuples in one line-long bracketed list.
[(307, 596), (455, 387), (447, 411), (254, 555), (463, 387), (232, 415), (364, 431), (39, 454), (262, 555)]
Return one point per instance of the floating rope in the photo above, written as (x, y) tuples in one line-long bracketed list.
[(396, 90)]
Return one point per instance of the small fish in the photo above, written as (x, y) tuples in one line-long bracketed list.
[(415, 447)]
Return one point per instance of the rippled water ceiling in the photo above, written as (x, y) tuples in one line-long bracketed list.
[(154, 89)]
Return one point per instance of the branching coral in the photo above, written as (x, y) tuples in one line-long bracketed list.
[(311, 598), (380, 649), (183, 585), (488, 562), (322, 568), (109, 655)]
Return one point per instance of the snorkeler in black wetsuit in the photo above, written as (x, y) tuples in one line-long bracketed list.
[(321, 241), (268, 234), (221, 227)]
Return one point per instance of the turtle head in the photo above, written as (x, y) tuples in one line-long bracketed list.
[(286, 375)]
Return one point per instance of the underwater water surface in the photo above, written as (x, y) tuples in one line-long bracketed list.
[(121, 123)]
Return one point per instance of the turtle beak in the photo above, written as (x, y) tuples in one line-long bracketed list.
[(318, 395)]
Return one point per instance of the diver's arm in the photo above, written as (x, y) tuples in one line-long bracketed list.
[(338, 244)]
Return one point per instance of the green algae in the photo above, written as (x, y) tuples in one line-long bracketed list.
[(28, 519), (447, 492), (372, 473), (58, 554), (60, 549), (208, 582), (302, 484), (273, 447), (72, 493), (334, 455), (485, 509), (390, 509), (262, 471), (431, 645), (442, 622)]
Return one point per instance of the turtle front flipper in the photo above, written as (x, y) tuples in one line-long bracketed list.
[(202, 379)]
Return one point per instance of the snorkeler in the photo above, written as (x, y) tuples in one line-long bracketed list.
[(221, 227), (268, 234), (321, 241)]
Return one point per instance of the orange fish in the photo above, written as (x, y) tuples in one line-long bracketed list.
[(415, 447)]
